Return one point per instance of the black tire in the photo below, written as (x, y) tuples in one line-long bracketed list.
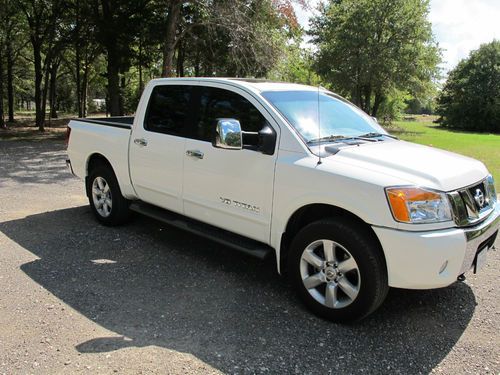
[(371, 271), (119, 212)]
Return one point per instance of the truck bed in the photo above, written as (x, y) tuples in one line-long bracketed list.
[(118, 122), (108, 137)]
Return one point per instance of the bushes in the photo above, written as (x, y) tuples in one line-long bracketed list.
[(470, 99)]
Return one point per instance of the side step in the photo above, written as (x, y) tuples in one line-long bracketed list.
[(224, 237)]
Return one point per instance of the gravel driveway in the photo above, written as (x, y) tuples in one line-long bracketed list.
[(76, 297)]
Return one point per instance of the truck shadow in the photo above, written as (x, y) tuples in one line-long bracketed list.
[(155, 285)]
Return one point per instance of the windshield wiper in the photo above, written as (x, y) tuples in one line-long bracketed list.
[(341, 138), (331, 138), (375, 135)]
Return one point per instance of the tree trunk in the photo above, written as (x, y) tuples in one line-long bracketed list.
[(78, 80), (180, 59), (2, 122), (39, 113), (141, 80), (368, 97), (10, 77), (358, 98), (84, 90), (113, 84), (174, 12), (122, 89), (379, 98), (53, 90), (45, 86), (197, 66), (78, 60)]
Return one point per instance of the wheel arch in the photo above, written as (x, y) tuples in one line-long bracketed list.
[(313, 212), (94, 160)]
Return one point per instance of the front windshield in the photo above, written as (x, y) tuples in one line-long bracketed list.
[(337, 116)]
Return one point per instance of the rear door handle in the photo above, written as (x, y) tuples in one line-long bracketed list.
[(195, 154), (141, 142)]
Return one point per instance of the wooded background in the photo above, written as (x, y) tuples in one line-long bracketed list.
[(60, 55)]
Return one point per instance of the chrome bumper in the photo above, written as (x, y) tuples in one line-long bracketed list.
[(477, 235)]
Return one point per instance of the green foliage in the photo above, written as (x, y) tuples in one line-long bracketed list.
[(231, 38), (470, 99), (392, 106), (368, 48), (424, 106), (295, 65), (68, 52)]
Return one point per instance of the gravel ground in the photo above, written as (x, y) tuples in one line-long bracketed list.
[(76, 297)]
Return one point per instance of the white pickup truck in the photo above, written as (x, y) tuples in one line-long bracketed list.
[(294, 171)]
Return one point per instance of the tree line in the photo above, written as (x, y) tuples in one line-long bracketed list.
[(470, 98), (60, 54)]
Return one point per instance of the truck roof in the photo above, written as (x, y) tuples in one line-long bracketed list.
[(256, 85)]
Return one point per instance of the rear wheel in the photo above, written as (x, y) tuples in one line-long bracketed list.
[(338, 270), (105, 197)]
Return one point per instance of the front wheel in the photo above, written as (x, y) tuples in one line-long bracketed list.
[(338, 269), (105, 197)]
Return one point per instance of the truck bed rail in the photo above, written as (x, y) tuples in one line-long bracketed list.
[(124, 122)]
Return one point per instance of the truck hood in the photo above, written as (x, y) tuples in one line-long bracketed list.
[(415, 164)]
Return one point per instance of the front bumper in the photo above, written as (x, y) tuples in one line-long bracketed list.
[(434, 259)]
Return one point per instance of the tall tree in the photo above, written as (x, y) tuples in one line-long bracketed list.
[(366, 48), (117, 26), (226, 37), (14, 43), (43, 19), (3, 11), (2, 121), (172, 25), (470, 98), (11, 28), (10, 69), (83, 50)]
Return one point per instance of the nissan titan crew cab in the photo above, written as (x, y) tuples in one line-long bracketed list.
[(263, 167)]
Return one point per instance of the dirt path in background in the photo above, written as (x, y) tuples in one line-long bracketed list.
[(76, 297)]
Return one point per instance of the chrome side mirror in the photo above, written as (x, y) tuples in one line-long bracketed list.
[(228, 134)]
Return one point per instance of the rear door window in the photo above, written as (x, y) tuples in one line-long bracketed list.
[(169, 110)]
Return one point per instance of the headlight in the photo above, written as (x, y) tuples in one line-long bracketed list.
[(492, 194), (417, 205)]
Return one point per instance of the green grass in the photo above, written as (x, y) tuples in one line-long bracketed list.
[(484, 147)]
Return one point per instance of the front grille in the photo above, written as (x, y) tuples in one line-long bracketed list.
[(471, 204), (476, 200)]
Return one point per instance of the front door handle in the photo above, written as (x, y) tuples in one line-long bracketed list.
[(195, 154), (141, 142)]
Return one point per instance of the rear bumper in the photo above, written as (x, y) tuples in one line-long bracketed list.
[(434, 259)]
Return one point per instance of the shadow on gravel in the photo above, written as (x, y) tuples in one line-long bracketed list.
[(33, 162), (155, 285)]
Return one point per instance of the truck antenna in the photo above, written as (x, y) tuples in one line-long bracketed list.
[(319, 131)]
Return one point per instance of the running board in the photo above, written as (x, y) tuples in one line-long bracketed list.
[(224, 237)]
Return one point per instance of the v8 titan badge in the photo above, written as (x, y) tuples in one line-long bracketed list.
[(238, 204)]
